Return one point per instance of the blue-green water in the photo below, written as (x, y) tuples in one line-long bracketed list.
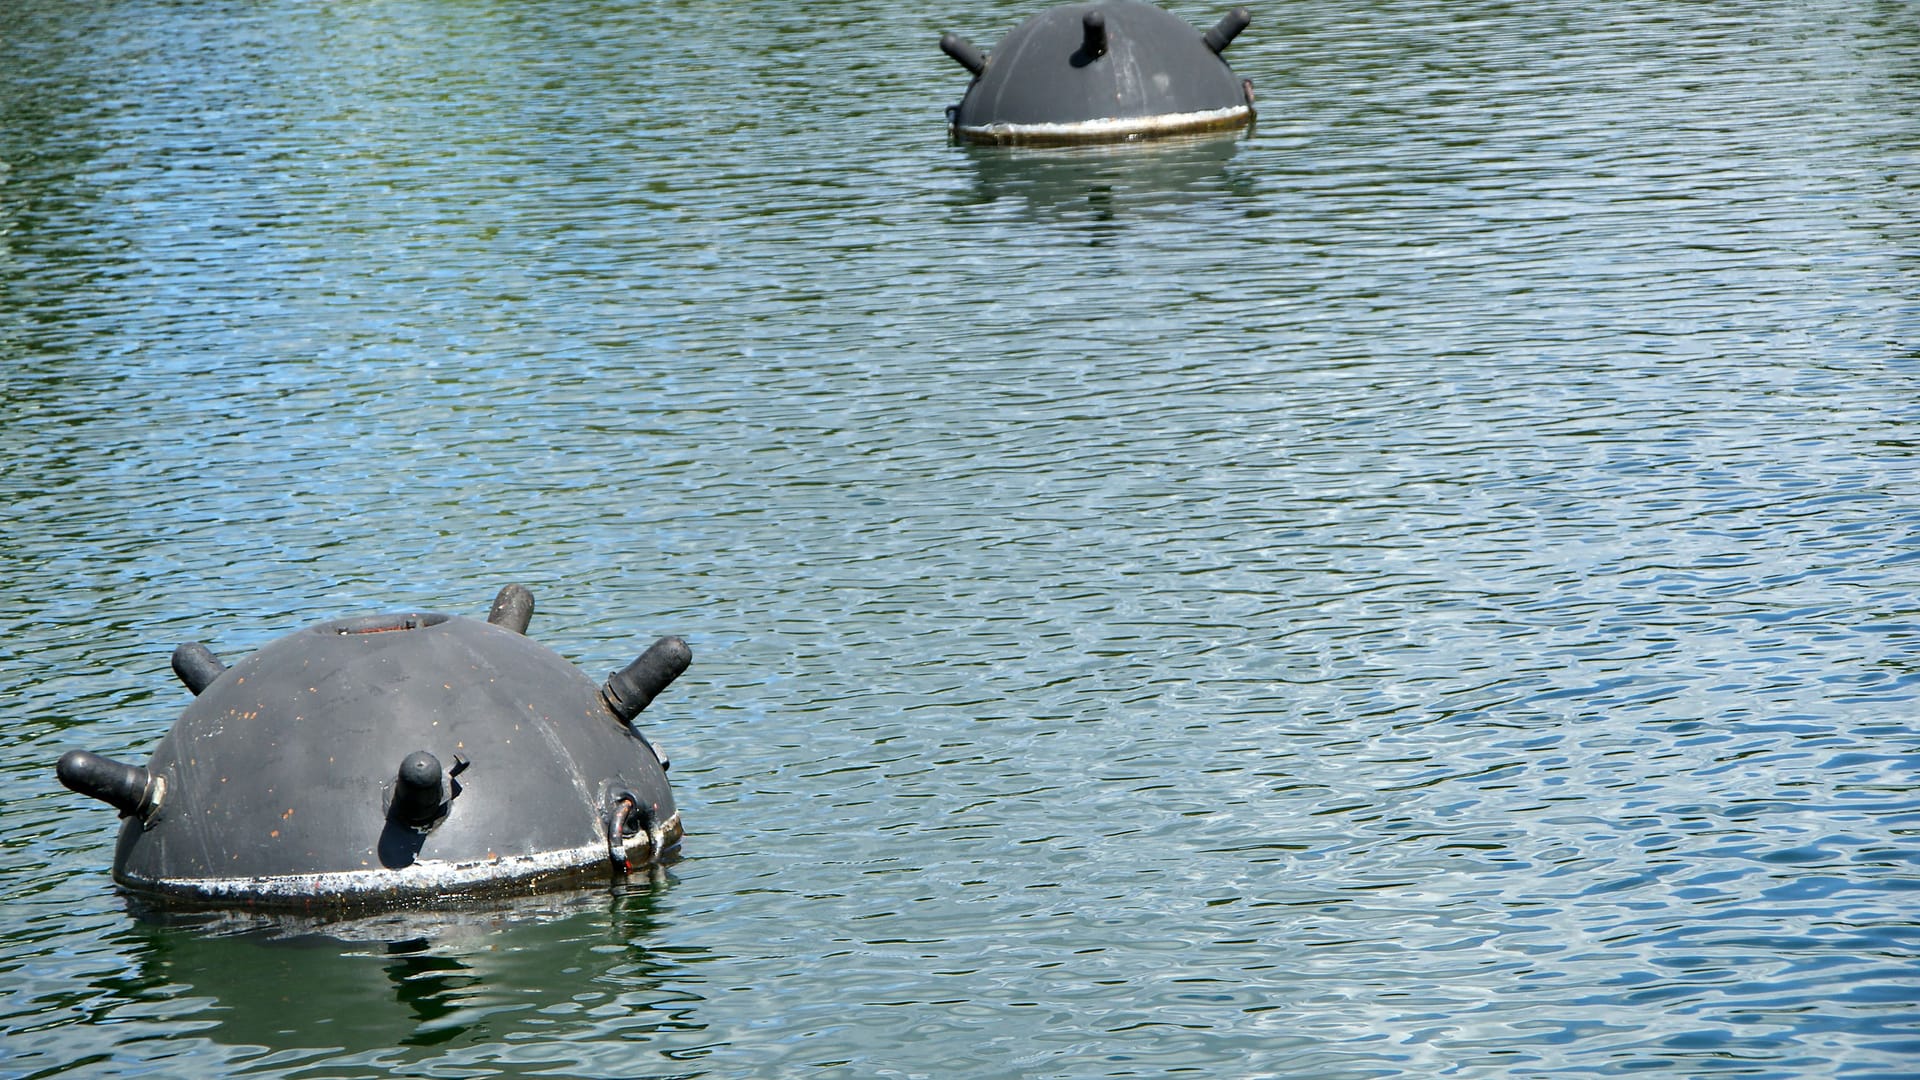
[(1428, 588)]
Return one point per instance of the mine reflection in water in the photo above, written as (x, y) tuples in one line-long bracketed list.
[(1105, 183), (378, 991)]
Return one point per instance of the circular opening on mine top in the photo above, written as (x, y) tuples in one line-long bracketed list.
[(381, 624)]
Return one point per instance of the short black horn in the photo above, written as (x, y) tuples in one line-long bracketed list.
[(1093, 27), (512, 609), (196, 667), (129, 789), (963, 52), (634, 687), (419, 795), (1228, 28)]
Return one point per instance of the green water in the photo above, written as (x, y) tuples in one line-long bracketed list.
[(1430, 587)]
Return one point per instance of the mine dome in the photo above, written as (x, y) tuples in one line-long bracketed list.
[(386, 758), (1103, 71)]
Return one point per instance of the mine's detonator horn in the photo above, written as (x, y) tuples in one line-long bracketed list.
[(634, 687), (129, 789), (1227, 29), (512, 609), (196, 666), (963, 52)]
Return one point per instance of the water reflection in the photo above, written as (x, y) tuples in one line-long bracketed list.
[(1103, 183), (1436, 599), (411, 979)]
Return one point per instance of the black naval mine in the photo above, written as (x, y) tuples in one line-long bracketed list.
[(387, 759), (1105, 71)]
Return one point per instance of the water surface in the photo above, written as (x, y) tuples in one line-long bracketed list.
[(1426, 588)]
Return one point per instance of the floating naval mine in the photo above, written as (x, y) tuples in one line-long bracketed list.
[(1104, 71), (387, 759)]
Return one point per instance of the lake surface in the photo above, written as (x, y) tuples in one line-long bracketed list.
[(1429, 587)]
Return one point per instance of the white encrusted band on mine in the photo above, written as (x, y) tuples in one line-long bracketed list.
[(1111, 129), (425, 877)]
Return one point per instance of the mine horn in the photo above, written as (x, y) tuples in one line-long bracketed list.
[(1227, 29), (963, 52), (512, 609), (634, 687), (196, 666), (130, 789)]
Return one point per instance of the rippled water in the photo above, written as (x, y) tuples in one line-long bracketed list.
[(1429, 588)]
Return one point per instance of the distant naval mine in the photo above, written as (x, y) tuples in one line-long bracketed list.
[(1106, 71)]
